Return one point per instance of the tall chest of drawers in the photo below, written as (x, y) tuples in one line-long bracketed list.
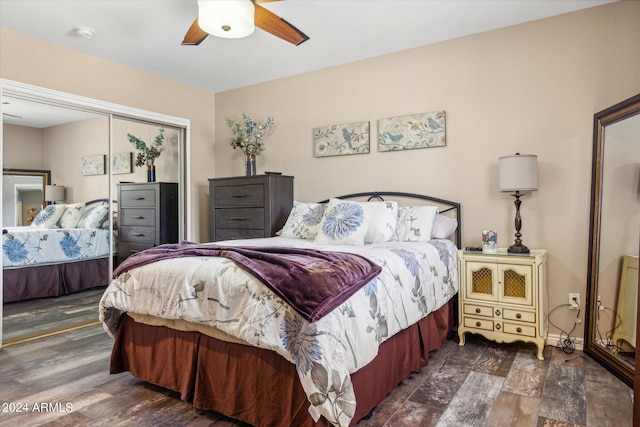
[(147, 216), (249, 207)]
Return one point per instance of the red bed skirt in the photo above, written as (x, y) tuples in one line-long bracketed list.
[(42, 281), (259, 386)]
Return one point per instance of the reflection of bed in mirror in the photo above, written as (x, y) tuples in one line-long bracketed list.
[(65, 251)]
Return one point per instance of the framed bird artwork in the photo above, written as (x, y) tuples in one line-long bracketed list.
[(423, 130), (340, 140)]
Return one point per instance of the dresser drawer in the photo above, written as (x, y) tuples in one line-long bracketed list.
[(136, 234), (133, 216), (515, 329), (247, 218), (235, 233), (239, 196), (478, 310), (127, 249), (478, 323), (143, 198), (519, 315)]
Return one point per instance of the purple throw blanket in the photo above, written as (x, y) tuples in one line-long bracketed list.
[(313, 282)]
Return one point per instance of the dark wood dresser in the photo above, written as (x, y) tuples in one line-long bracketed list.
[(147, 216), (249, 207)]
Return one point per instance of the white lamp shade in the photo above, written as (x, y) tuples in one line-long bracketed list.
[(518, 172), (230, 19), (53, 193)]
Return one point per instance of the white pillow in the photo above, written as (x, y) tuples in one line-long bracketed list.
[(382, 218), (304, 220), (443, 227), (94, 217), (49, 216), (415, 223), (343, 223), (72, 215)]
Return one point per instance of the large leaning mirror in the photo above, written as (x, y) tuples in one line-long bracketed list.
[(614, 237)]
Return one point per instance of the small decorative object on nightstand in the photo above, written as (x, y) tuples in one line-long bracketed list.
[(503, 296), (249, 207)]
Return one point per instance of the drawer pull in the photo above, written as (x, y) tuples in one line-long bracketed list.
[(478, 324), (133, 251), (139, 198), (498, 326), (497, 312), (518, 330), (238, 218), (138, 234), (137, 217), (518, 316), (478, 310), (239, 195)]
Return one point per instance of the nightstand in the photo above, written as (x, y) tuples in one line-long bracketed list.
[(503, 296)]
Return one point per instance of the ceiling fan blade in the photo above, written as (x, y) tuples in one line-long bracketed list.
[(195, 35), (273, 24)]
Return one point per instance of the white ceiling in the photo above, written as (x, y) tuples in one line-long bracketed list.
[(146, 34)]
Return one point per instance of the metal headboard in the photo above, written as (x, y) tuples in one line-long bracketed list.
[(448, 205)]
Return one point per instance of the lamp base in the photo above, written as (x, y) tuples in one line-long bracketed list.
[(518, 248)]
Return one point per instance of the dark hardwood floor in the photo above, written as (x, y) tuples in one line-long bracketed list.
[(24, 319), (63, 380)]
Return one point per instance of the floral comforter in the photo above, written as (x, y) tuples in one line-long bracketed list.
[(28, 246), (416, 279)]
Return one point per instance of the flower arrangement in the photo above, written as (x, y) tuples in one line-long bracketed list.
[(147, 153), (249, 135)]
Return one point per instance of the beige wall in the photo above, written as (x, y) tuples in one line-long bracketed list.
[(22, 148), (62, 69), (530, 88)]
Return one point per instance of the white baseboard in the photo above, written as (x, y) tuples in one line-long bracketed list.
[(553, 339)]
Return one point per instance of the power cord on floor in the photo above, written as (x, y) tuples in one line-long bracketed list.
[(607, 340), (567, 342)]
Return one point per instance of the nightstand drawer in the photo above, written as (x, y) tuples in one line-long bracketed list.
[(247, 218), (478, 323), (135, 234), (144, 217), (515, 329), (521, 316), (478, 310), (138, 198), (239, 196)]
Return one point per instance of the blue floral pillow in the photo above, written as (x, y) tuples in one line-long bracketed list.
[(94, 217), (49, 216), (343, 223), (304, 220)]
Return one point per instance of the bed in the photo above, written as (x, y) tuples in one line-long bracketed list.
[(65, 250), (218, 332)]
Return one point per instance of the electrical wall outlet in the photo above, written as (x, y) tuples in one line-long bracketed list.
[(574, 300)]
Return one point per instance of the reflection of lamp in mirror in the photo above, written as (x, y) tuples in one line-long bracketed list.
[(54, 193), (518, 174)]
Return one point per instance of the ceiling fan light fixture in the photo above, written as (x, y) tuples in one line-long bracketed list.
[(229, 19)]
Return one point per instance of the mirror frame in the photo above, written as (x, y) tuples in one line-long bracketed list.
[(44, 173), (604, 118)]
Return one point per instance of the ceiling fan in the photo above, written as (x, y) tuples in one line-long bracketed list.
[(236, 18)]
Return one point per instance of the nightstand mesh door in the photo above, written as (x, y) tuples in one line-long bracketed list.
[(514, 284), (482, 281)]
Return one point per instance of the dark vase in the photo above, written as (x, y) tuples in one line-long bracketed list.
[(151, 173), (251, 165)]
